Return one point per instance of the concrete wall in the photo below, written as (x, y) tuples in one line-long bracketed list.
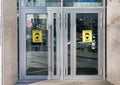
[(10, 49), (0, 65), (113, 41), (0, 44), (10, 62)]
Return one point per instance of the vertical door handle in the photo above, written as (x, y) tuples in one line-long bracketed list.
[(50, 27), (66, 72)]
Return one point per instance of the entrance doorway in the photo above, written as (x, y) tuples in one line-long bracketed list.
[(82, 40), (64, 44)]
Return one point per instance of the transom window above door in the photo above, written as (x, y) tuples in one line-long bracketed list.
[(58, 3)]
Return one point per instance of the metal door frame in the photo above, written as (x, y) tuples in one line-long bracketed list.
[(22, 44), (72, 10), (62, 59), (58, 42), (101, 43)]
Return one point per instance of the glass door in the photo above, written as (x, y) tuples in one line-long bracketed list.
[(40, 44), (83, 45), (87, 43), (34, 42), (65, 44)]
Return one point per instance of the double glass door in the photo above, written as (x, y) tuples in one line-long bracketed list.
[(64, 44)]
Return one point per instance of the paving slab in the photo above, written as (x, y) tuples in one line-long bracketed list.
[(66, 82)]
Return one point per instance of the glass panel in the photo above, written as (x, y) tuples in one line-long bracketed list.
[(40, 3), (82, 3), (69, 44), (36, 44), (55, 42), (86, 44), (53, 3)]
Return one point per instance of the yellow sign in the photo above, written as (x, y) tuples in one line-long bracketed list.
[(87, 35), (37, 36)]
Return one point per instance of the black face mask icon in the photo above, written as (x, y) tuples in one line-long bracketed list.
[(37, 35), (87, 35)]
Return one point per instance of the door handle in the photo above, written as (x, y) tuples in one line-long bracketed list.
[(50, 27)]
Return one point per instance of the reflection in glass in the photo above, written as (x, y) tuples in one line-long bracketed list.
[(82, 3), (55, 43), (53, 3), (40, 3), (69, 44), (36, 52), (86, 52), (57, 3)]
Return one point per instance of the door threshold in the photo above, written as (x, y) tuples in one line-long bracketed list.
[(63, 82), (27, 81)]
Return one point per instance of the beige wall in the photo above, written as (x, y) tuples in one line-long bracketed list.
[(10, 42), (0, 44), (0, 65), (113, 41)]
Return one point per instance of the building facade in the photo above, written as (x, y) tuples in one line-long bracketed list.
[(60, 39)]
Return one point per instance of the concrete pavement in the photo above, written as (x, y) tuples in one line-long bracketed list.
[(66, 82)]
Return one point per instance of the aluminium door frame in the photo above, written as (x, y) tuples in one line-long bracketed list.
[(101, 41), (22, 44), (68, 10), (58, 42), (65, 42)]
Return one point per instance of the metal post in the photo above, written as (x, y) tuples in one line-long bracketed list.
[(62, 56)]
